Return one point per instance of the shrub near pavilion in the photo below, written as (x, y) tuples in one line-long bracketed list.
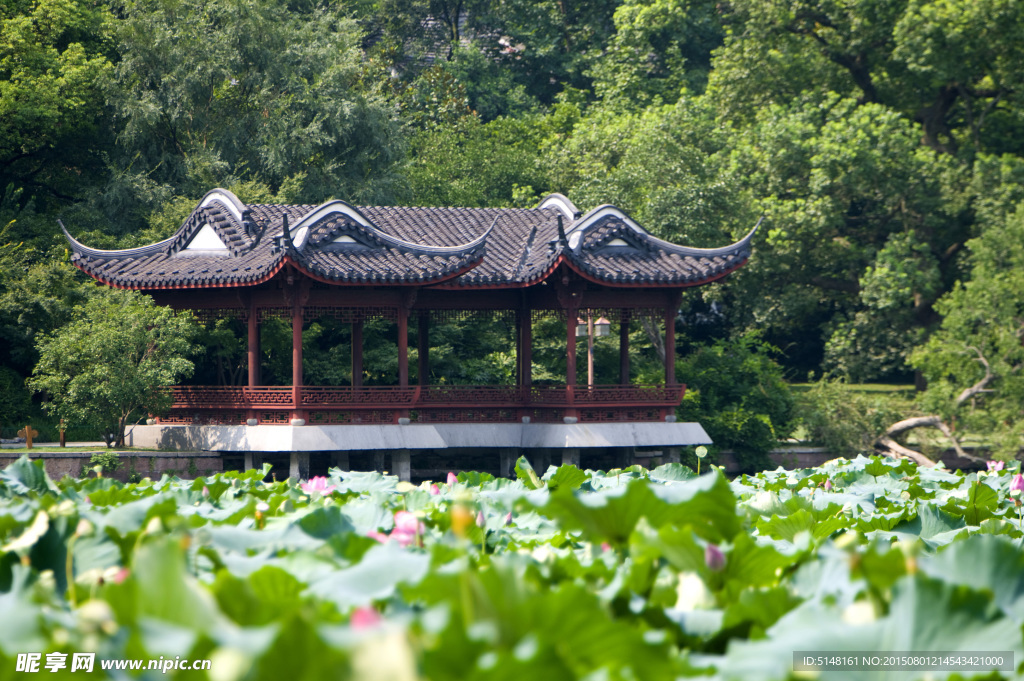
[(107, 367)]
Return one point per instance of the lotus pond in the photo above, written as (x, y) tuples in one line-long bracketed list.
[(569, 574)]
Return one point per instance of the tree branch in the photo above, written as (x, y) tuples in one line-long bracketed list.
[(898, 451), (982, 385)]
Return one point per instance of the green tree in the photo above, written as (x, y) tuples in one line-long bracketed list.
[(109, 366), (206, 93), (53, 55), (974, 363), (736, 391), (661, 49)]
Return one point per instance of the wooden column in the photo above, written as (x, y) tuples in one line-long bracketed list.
[(357, 353), (570, 346), (297, 356), (570, 362), (525, 350), (403, 347), (670, 343), (624, 348), (423, 348), (254, 344)]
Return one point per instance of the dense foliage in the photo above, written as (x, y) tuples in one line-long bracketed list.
[(111, 365), (573, 574), (879, 141)]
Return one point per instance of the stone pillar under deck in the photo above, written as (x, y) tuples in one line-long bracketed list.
[(571, 456), (624, 457), (671, 455), (378, 461), (401, 464), (540, 459), (340, 460), (507, 458), (298, 466), (252, 460)]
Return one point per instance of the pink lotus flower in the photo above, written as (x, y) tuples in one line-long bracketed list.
[(714, 558), (508, 518), (364, 618), (408, 528), (452, 479), (480, 522), (828, 485), (317, 484), (1017, 484), (995, 466), (605, 546), (435, 490), (379, 536)]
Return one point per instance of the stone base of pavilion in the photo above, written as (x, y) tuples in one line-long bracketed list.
[(405, 442)]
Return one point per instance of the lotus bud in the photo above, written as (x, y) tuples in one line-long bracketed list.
[(828, 485), (1017, 485), (480, 522), (714, 558), (452, 479), (435, 490), (364, 618)]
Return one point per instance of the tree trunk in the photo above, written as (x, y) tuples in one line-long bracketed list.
[(886, 443)]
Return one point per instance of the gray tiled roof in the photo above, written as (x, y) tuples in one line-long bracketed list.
[(463, 247)]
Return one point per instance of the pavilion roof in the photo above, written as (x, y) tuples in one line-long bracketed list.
[(227, 243)]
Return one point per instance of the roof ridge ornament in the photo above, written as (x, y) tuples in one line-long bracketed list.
[(339, 207), (562, 203), (81, 249)]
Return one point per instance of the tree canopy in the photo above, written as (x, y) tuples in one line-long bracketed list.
[(111, 364), (879, 140)]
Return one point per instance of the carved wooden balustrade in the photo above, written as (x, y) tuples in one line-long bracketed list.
[(426, 404)]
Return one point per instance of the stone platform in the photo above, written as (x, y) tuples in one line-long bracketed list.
[(268, 438)]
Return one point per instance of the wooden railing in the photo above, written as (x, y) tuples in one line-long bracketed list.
[(450, 403)]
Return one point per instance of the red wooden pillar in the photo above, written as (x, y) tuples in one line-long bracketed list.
[(624, 348), (254, 344), (297, 412), (423, 348), (570, 368), (253, 356), (670, 343), (357, 353), (525, 350), (403, 347)]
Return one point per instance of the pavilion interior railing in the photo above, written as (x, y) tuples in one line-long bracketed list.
[(433, 403)]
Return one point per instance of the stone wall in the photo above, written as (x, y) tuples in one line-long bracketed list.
[(147, 465)]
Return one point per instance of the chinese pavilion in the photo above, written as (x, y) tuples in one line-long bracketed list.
[(302, 262)]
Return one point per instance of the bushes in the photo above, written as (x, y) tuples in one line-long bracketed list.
[(844, 421), (736, 391)]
